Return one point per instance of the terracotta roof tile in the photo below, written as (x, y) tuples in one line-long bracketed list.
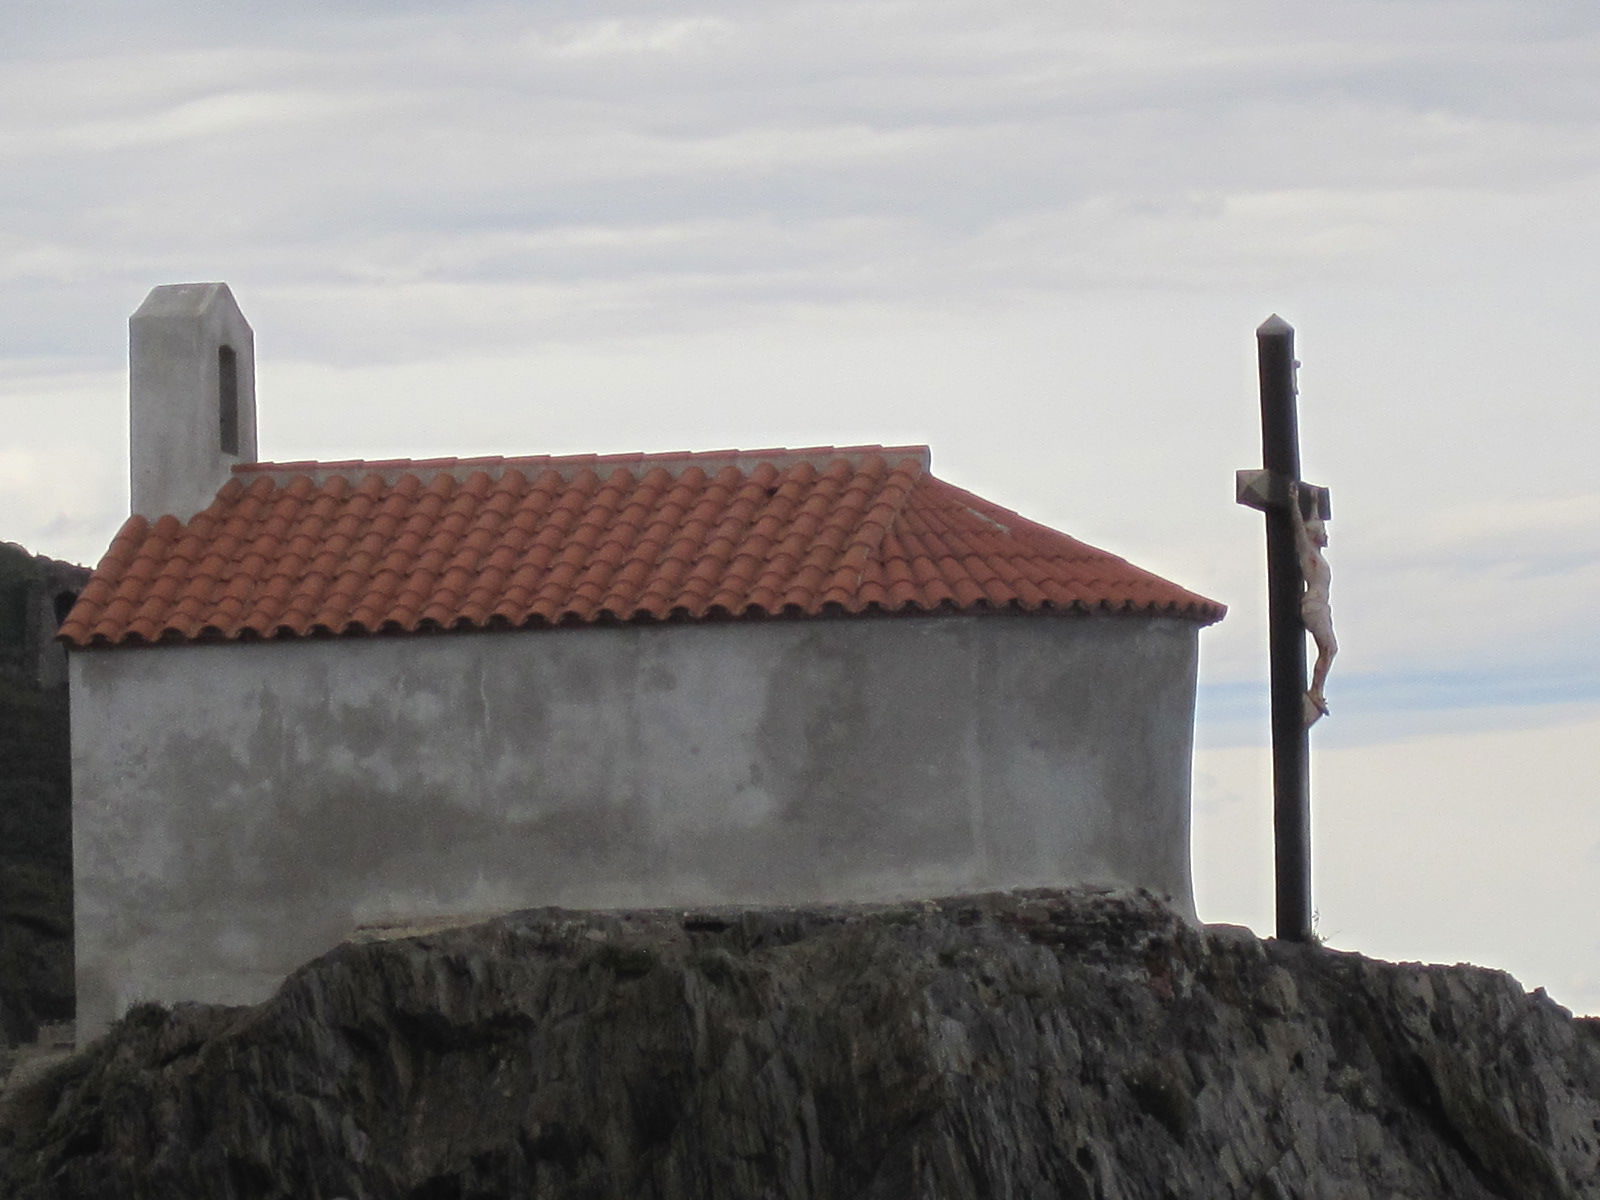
[(314, 549)]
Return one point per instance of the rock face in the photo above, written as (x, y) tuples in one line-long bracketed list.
[(35, 797), (1041, 1044), (35, 861)]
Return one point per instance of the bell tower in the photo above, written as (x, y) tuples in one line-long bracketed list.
[(191, 397)]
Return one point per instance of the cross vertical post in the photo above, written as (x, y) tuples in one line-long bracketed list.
[(1291, 745)]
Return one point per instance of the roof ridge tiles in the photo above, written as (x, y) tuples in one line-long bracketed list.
[(674, 462)]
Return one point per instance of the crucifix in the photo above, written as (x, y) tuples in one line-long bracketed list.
[(1297, 603)]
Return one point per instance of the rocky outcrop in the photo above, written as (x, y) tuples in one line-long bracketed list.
[(1042, 1044), (35, 594), (35, 863), (35, 798)]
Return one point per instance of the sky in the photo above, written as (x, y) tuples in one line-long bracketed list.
[(1037, 237)]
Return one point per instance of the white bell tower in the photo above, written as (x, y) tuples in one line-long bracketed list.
[(191, 397)]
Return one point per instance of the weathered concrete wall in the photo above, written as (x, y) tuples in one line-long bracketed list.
[(238, 809)]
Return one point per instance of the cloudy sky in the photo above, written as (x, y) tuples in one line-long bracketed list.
[(1035, 236)]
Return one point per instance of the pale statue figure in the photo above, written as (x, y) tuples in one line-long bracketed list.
[(1311, 538)]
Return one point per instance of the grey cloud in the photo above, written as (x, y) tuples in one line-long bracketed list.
[(799, 109)]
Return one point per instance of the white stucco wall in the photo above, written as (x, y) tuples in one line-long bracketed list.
[(238, 809)]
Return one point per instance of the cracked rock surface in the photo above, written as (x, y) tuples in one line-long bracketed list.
[(1032, 1044)]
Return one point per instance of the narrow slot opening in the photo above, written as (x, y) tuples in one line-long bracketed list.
[(228, 398), (63, 605)]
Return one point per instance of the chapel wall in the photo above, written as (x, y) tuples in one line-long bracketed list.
[(241, 808)]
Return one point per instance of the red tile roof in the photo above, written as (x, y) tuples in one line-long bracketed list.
[(316, 549)]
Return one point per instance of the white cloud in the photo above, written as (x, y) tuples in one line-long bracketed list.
[(1481, 846), (63, 473), (613, 38)]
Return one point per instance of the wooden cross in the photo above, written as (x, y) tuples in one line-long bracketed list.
[(1278, 492)]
